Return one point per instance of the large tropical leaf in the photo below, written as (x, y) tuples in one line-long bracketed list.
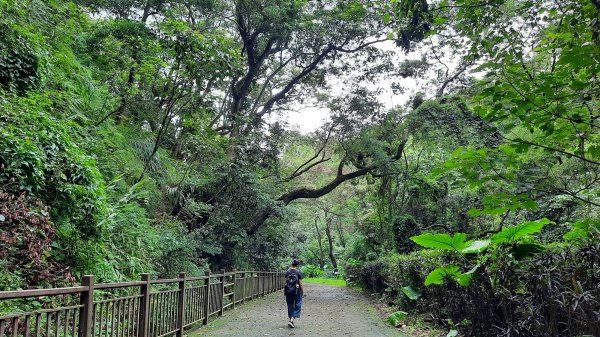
[(395, 318), (476, 246), (582, 229), (440, 275), (442, 241), (512, 234), (411, 293)]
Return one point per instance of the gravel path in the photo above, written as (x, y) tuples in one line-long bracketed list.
[(326, 311)]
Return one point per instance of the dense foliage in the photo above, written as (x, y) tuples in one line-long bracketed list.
[(150, 136)]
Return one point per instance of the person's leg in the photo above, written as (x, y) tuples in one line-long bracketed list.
[(298, 307), (290, 301), (290, 306)]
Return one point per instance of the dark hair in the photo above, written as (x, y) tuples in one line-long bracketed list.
[(295, 262)]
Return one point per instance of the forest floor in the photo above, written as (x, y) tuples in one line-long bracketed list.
[(326, 311)]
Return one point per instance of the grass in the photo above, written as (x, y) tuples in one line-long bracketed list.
[(329, 281)]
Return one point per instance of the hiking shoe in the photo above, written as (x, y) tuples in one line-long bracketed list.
[(290, 324)]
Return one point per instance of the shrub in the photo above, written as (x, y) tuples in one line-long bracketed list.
[(26, 235), (551, 293), (310, 270)]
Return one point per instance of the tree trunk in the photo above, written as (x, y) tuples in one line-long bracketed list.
[(340, 231), (330, 240), (321, 258)]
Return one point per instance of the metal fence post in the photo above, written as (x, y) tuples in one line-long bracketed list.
[(144, 321), (206, 298), (222, 278), (86, 315), (181, 306)]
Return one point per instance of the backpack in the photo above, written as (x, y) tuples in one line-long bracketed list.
[(291, 283)]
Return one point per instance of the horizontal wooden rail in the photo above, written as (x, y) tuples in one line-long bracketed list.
[(146, 308), (13, 294)]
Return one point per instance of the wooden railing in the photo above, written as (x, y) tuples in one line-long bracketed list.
[(146, 308)]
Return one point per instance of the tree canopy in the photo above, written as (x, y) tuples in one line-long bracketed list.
[(153, 136)]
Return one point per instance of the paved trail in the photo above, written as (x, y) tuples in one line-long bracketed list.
[(326, 311)]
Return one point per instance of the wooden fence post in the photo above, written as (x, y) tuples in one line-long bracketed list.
[(222, 278), (234, 288), (206, 298), (144, 321), (86, 315), (259, 290), (253, 283), (243, 287), (181, 306)]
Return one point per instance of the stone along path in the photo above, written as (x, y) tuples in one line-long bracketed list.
[(326, 311)]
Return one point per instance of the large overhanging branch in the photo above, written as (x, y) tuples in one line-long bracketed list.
[(314, 193)]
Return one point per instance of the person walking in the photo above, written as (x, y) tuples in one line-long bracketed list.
[(293, 291)]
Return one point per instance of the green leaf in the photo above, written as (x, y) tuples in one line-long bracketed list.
[(582, 229), (474, 212), (594, 151), (476, 246), (395, 318), (440, 275), (452, 333), (442, 241), (411, 293), (464, 279), (512, 234)]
